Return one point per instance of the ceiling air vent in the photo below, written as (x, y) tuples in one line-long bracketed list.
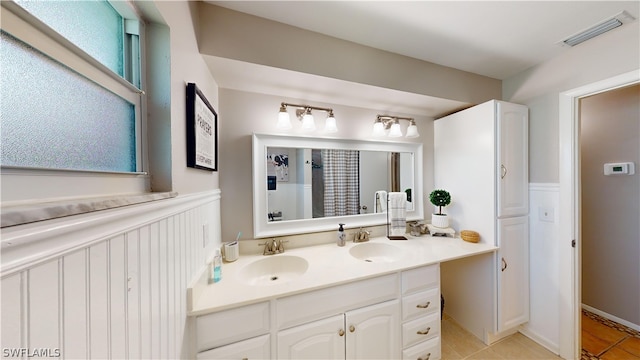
[(598, 29)]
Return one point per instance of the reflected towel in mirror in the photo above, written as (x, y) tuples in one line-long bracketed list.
[(380, 201)]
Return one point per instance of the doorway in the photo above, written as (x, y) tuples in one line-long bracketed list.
[(570, 248), (609, 146)]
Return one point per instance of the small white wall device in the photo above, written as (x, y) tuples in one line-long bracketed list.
[(623, 168)]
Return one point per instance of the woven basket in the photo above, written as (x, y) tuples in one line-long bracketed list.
[(470, 236)]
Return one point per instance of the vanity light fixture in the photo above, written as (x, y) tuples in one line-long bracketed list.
[(303, 112), (387, 125)]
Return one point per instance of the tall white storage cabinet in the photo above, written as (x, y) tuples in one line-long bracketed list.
[(481, 158)]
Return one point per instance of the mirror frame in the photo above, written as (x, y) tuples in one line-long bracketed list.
[(264, 228)]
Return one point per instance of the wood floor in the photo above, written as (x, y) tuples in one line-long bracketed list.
[(607, 340)]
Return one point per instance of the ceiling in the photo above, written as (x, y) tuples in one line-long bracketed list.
[(497, 39)]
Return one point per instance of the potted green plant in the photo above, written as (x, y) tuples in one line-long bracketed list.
[(440, 198)]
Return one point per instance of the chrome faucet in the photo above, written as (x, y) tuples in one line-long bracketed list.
[(361, 236), (273, 246)]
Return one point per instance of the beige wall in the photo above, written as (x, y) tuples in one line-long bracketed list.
[(608, 55), (186, 65), (230, 34), (244, 113), (610, 132)]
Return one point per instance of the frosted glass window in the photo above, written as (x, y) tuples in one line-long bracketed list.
[(94, 26), (52, 117)]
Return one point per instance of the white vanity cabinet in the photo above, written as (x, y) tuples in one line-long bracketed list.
[(371, 332), (359, 320), (421, 313), (241, 333), (390, 316)]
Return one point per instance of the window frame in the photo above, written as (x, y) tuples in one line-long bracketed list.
[(82, 183)]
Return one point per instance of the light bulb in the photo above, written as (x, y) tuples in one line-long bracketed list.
[(378, 129), (395, 130), (330, 125), (412, 130), (307, 122), (284, 123)]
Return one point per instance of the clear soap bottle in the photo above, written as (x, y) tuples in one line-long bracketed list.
[(215, 271)]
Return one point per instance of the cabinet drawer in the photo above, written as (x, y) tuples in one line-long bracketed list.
[(228, 326), (426, 350), (256, 348), (420, 279), (313, 305), (419, 304), (420, 329)]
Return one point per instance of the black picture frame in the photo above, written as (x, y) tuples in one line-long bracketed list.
[(202, 131)]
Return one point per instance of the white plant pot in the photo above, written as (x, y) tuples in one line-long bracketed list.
[(440, 221)]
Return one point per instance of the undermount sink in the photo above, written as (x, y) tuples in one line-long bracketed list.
[(375, 252), (273, 270)]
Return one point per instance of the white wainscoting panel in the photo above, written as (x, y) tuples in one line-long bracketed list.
[(110, 284), (544, 304)]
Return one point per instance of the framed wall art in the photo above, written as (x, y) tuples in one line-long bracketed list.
[(202, 131)]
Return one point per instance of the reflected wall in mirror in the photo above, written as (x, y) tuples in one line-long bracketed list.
[(304, 184)]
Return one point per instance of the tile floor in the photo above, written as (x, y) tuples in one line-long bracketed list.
[(457, 343), (607, 340)]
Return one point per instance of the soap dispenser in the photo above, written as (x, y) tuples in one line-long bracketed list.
[(342, 237), (215, 271)]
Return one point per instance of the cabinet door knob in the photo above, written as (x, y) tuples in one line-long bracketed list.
[(504, 264), (352, 328), (426, 357), (424, 332), (341, 332), (421, 306)]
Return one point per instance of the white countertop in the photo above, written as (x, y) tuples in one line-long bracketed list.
[(329, 265)]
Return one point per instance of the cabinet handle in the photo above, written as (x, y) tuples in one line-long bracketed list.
[(341, 332), (352, 328), (504, 171), (504, 264), (424, 332), (420, 306), (425, 358), (245, 358)]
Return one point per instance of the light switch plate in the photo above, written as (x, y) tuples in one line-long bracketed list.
[(546, 214)]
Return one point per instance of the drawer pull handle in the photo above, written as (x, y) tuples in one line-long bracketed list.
[(341, 332), (425, 358), (504, 264), (352, 328), (245, 358), (420, 306), (424, 332)]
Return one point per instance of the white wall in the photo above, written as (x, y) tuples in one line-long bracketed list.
[(110, 284), (187, 65), (605, 56)]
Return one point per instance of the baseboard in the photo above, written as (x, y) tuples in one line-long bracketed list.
[(490, 338), (541, 340), (611, 317)]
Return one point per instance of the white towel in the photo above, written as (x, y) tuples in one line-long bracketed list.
[(397, 213), (380, 202)]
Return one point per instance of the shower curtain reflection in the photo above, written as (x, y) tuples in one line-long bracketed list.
[(341, 182)]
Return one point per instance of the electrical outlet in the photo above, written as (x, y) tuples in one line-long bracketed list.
[(546, 214), (205, 235)]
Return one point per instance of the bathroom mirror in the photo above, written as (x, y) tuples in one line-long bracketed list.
[(305, 184)]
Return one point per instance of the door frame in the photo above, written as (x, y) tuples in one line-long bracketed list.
[(569, 212)]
